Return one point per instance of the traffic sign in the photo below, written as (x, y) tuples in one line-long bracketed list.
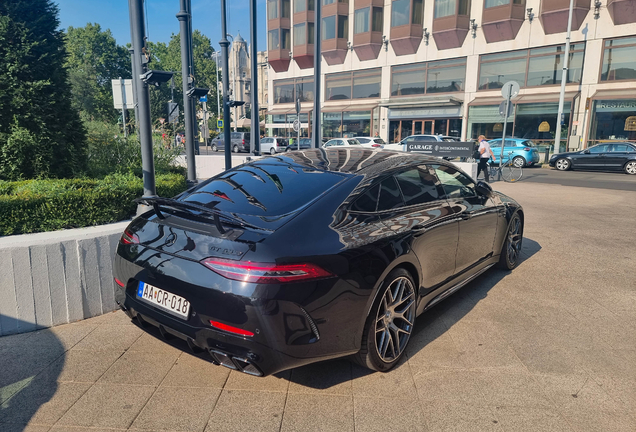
[(173, 112), (296, 125), (219, 124), (203, 98), (510, 89), (502, 109)]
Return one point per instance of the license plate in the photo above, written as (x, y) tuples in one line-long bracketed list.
[(164, 300)]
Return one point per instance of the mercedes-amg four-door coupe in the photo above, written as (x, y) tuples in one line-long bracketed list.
[(312, 255)]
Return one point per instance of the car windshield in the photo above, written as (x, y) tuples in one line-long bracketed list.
[(353, 142)]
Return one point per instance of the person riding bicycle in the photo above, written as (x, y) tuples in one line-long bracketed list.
[(485, 154)]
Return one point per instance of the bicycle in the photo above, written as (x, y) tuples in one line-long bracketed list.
[(509, 172)]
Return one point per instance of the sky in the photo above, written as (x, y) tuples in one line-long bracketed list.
[(161, 18)]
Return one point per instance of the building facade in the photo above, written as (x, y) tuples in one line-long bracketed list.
[(412, 66)]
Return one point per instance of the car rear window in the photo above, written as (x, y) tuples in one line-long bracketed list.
[(263, 189), (353, 142), (379, 140)]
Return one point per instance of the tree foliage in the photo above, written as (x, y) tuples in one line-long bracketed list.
[(40, 134), (94, 60)]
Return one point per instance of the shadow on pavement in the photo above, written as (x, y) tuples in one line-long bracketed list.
[(428, 327), (30, 364)]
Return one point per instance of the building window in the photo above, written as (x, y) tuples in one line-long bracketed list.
[(310, 5), (272, 9), (338, 86), (464, 7), (300, 6), (378, 19), (328, 2), (286, 91), (343, 27), (400, 12), (495, 3), (444, 8), (619, 60), (283, 91), (534, 67), (432, 77), (329, 27), (300, 34), (366, 84), (310, 33), (285, 9), (361, 21), (418, 12), (285, 43), (273, 41)]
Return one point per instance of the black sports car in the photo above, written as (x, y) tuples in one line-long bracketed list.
[(602, 157), (312, 255)]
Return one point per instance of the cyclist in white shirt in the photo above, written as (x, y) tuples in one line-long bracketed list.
[(485, 154)]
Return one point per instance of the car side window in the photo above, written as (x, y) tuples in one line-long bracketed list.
[(267, 140), (630, 149), (599, 148), (363, 140), (235, 135), (418, 187), (425, 138), (390, 196), (619, 148), (368, 201), (454, 183)]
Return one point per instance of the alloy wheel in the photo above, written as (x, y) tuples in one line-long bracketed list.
[(562, 164), (630, 168), (394, 321), (514, 240), (272, 151), (519, 162)]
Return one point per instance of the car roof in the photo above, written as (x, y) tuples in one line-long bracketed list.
[(349, 160)]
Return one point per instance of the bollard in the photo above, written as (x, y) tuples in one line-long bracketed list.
[(546, 157)]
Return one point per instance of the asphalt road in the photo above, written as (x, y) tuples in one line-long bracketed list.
[(587, 179)]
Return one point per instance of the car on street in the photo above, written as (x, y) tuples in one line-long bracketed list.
[(371, 142), (273, 145), (401, 146), (305, 143), (342, 142), (308, 256), (602, 157), (523, 152), (240, 142)]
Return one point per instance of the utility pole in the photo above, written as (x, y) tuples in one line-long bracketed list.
[(226, 99), (218, 102), (564, 78), (255, 118), (316, 126), (134, 86), (137, 33), (187, 77)]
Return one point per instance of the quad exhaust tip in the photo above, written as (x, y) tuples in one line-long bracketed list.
[(235, 363)]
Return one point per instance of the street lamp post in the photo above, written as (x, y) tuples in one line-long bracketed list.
[(564, 78), (316, 126), (226, 108), (255, 118), (187, 78)]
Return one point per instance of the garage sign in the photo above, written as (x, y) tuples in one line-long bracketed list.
[(442, 148)]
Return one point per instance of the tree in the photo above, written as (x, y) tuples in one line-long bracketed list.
[(167, 57), (94, 60), (40, 134)]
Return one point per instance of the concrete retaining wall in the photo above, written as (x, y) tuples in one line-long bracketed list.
[(56, 277)]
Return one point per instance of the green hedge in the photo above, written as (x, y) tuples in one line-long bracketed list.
[(47, 205)]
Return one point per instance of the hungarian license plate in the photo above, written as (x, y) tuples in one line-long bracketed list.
[(163, 299)]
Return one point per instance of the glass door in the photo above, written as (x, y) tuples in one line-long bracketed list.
[(417, 127), (428, 127)]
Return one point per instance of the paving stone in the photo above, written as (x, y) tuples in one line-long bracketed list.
[(140, 368), (151, 344), (239, 410), (183, 409), (107, 406), (622, 391), (451, 386), (388, 414), (439, 353), (41, 402), (524, 419), (454, 416), (192, 371), (328, 377), (241, 381), (11, 427), (576, 392), (82, 366), (512, 389), (311, 412), (594, 420), (110, 338), (398, 382)]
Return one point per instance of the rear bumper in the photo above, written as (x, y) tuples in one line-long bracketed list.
[(293, 325)]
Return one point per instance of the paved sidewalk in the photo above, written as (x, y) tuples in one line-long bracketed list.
[(550, 346)]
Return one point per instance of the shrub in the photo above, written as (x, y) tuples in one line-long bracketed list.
[(48, 205)]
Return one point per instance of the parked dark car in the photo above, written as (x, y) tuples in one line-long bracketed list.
[(602, 157), (312, 255), (240, 142), (305, 143)]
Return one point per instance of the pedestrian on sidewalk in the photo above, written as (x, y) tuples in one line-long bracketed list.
[(485, 154)]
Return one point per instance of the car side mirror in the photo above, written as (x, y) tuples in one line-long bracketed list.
[(483, 189), (586, 151)]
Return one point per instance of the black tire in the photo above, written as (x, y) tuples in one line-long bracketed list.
[(630, 168), (511, 248), (288, 149), (272, 151), (519, 162), (215, 148), (235, 149), (399, 315), (562, 164)]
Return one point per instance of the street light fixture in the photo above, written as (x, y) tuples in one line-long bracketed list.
[(197, 92), (156, 77)]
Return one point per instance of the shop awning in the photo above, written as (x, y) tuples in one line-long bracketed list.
[(523, 99), (625, 93), (424, 101), (366, 107), (281, 110), (335, 108)]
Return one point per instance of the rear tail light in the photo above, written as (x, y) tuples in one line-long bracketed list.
[(527, 149), (128, 237), (376, 145), (231, 329), (265, 273), (120, 283), (243, 141)]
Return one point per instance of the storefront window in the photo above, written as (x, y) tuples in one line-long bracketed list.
[(544, 67), (356, 123), (432, 77), (619, 60), (538, 121), (455, 127), (331, 123), (485, 120), (366, 84), (613, 120), (329, 28), (400, 12)]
